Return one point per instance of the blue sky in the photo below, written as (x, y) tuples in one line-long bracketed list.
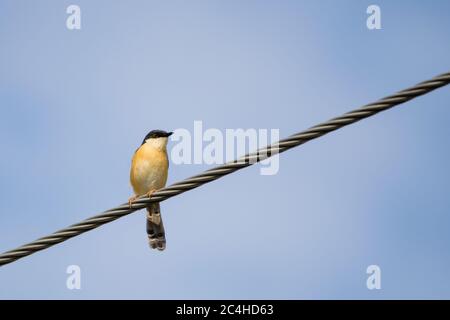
[(76, 104)]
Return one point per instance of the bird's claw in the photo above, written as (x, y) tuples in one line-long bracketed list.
[(149, 194), (134, 198), (131, 199)]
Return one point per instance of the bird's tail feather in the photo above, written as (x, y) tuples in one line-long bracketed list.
[(155, 227)]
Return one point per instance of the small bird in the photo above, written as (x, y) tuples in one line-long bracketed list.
[(149, 169)]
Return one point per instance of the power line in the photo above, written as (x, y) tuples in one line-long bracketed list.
[(230, 167)]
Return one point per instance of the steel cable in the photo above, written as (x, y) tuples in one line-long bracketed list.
[(230, 167)]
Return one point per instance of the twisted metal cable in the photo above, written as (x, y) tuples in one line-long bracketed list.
[(230, 167)]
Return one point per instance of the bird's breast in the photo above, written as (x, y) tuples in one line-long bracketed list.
[(148, 169)]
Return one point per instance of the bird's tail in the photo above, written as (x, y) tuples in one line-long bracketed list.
[(155, 227)]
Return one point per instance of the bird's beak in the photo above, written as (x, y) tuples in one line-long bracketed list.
[(169, 134)]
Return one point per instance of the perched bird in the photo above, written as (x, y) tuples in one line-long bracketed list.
[(149, 168)]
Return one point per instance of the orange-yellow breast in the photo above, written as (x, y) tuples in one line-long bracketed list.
[(149, 168)]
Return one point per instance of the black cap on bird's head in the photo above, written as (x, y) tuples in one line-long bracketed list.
[(157, 134)]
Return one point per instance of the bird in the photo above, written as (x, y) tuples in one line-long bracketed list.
[(148, 173)]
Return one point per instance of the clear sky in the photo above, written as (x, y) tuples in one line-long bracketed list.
[(75, 104)]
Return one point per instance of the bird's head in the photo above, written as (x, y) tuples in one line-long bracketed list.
[(157, 138)]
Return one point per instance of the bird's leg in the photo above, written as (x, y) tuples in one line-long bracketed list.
[(149, 194), (131, 199)]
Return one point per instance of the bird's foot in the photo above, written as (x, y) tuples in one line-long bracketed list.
[(131, 200), (134, 198), (149, 194)]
